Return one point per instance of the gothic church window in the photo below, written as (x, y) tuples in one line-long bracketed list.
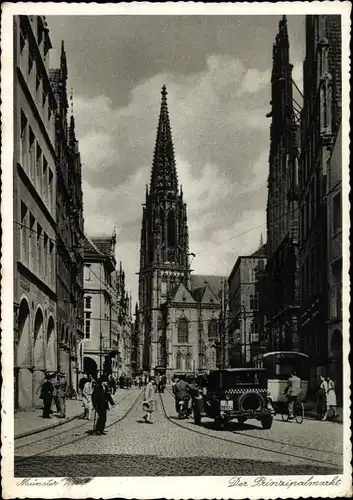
[(188, 362), (183, 331), (171, 229), (212, 330), (178, 361)]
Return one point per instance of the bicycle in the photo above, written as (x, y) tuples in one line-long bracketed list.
[(298, 413)]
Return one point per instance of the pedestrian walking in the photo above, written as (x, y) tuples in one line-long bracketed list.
[(101, 399), (55, 381), (111, 384), (156, 385), (87, 398), (46, 395), (322, 398), (148, 404), (82, 382), (331, 397), (61, 391)]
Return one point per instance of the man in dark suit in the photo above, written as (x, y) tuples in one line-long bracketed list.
[(100, 399), (47, 396)]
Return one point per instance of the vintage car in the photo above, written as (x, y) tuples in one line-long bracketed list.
[(235, 393)]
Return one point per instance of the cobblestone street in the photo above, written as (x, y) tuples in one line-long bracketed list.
[(173, 447)]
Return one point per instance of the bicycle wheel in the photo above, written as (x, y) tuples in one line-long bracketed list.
[(285, 415), (299, 412)]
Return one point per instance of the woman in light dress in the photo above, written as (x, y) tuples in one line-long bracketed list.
[(148, 401), (323, 397), (87, 398), (331, 397)]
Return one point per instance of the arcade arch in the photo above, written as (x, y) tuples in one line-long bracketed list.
[(50, 347), (38, 339), (90, 366)]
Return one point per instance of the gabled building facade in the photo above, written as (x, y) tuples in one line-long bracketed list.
[(173, 313), (246, 318), (100, 347), (69, 234), (34, 209), (320, 120), (334, 266), (107, 311), (282, 269)]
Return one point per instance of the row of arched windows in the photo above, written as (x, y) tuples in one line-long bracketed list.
[(179, 361), (183, 331)]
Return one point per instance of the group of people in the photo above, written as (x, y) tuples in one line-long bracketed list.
[(327, 400), (54, 389), (97, 396), (326, 396)]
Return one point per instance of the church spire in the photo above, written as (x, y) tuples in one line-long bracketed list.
[(283, 32), (63, 61), (164, 176)]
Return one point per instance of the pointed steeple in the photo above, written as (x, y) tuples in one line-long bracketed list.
[(164, 176), (261, 241), (72, 136), (283, 31), (63, 62)]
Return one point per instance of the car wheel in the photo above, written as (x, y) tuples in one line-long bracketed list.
[(267, 422), (241, 420)]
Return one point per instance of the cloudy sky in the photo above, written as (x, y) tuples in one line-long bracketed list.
[(217, 70)]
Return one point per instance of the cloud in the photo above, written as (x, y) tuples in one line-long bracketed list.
[(219, 93), (220, 136), (255, 80), (218, 253)]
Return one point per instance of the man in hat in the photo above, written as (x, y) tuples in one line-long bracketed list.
[(101, 398), (46, 395)]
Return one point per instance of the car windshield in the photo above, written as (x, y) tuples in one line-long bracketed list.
[(230, 380)]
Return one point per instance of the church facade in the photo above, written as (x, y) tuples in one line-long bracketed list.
[(178, 314)]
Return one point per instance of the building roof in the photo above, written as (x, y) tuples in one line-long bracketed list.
[(214, 282), (90, 248), (104, 245), (260, 252), (198, 292)]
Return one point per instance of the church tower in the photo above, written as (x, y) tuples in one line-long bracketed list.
[(164, 245), (282, 203)]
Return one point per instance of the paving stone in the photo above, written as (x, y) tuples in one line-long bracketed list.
[(134, 448)]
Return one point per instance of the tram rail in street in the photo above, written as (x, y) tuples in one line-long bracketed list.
[(21, 459), (239, 443)]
